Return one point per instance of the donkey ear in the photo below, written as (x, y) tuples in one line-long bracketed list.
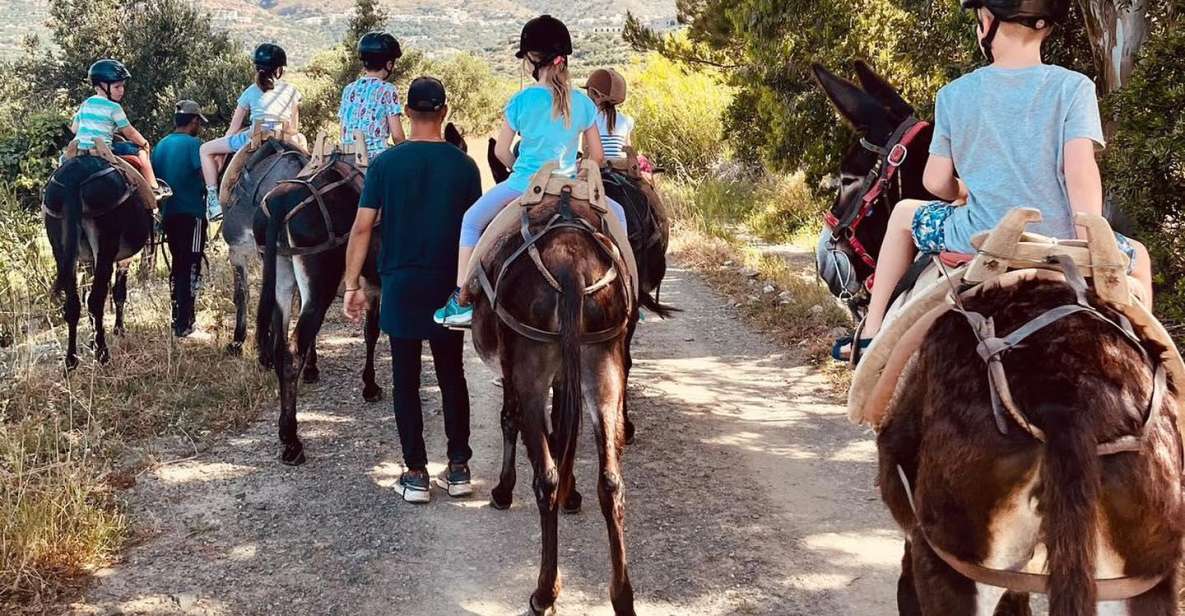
[(856, 106), (881, 90)]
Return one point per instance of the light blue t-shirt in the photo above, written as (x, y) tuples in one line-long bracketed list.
[(546, 137), (1006, 131)]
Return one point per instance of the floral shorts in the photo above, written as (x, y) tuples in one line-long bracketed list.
[(929, 235)]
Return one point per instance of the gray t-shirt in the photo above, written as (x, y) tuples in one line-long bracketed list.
[(1006, 130)]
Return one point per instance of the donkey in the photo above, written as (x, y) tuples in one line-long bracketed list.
[(650, 230), (274, 161), (305, 249), (93, 215), (541, 339), (976, 493)]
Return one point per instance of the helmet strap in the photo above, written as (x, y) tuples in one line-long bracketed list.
[(986, 43)]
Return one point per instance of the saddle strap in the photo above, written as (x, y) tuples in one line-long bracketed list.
[(128, 190), (1107, 589), (316, 195)]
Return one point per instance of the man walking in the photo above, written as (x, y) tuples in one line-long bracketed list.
[(176, 161), (422, 187)]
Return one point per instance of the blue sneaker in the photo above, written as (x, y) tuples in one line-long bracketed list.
[(454, 314), (213, 206)]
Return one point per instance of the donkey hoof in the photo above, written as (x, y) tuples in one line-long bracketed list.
[(500, 500), (293, 455), (372, 393), (234, 349), (119, 330), (537, 611), (572, 505), (71, 362), (103, 355), (311, 375)]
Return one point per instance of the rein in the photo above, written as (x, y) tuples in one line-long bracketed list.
[(565, 218), (991, 350), (316, 195), (875, 187)]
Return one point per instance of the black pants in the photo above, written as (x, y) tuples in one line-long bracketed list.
[(186, 236), (447, 357)]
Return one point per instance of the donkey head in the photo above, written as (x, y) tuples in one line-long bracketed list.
[(875, 110)]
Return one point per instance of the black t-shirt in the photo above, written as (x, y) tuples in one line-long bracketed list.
[(422, 189)]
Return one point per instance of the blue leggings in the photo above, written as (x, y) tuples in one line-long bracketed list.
[(483, 211)]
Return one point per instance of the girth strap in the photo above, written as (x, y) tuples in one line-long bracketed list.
[(316, 195)]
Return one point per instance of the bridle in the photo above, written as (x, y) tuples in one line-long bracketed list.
[(874, 191), (353, 177), (564, 218)]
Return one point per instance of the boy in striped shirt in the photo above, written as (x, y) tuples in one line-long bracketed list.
[(101, 116)]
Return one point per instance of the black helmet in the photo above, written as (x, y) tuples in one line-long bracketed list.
[(269, 55), (1027, 12), (108, 71), (546, 35), (378, 47)]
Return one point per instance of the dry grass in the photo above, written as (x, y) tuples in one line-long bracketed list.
[(70, 441)]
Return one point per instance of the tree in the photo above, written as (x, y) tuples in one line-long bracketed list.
[(1117, 31)]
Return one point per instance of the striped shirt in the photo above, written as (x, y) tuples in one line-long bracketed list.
[(615, 142), (99, 117)]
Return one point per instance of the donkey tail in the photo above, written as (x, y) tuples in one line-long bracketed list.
[(567, 430), (1071, 481), (71, 231), (267, 295)]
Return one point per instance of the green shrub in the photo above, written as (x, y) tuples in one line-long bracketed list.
[(678, 115), (29, 153)]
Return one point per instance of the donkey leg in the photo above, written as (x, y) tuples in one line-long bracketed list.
[(265, 328), (371, 392), (629, 365), (239, 257), (119, 296), (72, 310), (97, 300), (907, 594), (502, 495), (605, 392), (572, 504), (1160, 601), (1014, 604), (311, 373), (940, 589), (546, 484)]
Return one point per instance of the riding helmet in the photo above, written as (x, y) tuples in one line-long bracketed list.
[(545, 35), (108, 71), (378, 47), (606, 85), (1028, 12), (270, 56)]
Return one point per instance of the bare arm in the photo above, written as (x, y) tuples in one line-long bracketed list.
[(592, 145), (134, 136), (74, 126), (939, 178), (502, 149), (356, 251), (237, 120), (294, 122), (1083, 181), (396, 126)]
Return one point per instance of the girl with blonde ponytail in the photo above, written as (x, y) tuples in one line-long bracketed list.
[(550, 117)]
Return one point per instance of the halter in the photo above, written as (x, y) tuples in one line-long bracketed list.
[(875, 186)]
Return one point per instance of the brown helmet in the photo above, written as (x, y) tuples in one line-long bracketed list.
[(606, 85)]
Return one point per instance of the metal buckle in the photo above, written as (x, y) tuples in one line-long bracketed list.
[(893, 158)]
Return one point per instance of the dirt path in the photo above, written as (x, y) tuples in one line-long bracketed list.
[(748, 493)]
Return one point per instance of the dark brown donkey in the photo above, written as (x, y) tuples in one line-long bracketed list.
[(989, 494), (567, 340)]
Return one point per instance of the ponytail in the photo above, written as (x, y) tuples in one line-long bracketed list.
[(265, 77), (610, 111), (559, 80)]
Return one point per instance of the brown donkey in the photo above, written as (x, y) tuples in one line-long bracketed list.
[(560, 332), (991, 497)]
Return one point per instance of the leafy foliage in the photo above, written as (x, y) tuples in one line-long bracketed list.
[(476, 97)]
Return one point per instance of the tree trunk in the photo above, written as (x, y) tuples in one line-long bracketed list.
[(1117, 30)]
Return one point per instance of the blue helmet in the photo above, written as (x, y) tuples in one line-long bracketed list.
[(108, 71)]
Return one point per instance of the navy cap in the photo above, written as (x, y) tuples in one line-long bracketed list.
[(426, 94)]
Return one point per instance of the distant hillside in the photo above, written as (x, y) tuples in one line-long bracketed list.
[(441, 27)]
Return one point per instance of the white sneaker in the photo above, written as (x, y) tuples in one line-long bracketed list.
[(413, 486)]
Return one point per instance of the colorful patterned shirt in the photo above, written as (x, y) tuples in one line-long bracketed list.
[(366, 105), (99, 117)]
